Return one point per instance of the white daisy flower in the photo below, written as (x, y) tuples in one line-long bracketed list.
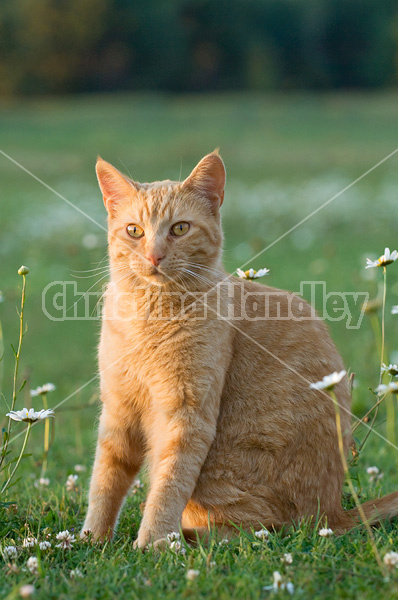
[(174, 536), (76, 574), (43, 389), (29, 542), (329, 381), (391, 559), (372, 471), (43, 481), (385, 259), (390, 369), (287, 558), (279, 585), (241, 273), (177, 547), (10, 552), (136, 485), (33, 565), (174, 541), (261, 273), (65, 539), (80, 468), (325, 532), (385, 389), (394, 310), (26, 591), (224, 542), (45, 546), (30, 416), (71, 483), (262, 534), (192, 574), (251, 273)]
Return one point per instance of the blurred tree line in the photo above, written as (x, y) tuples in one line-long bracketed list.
[(63, 46)]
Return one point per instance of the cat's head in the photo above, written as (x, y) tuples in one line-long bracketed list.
[(161, 231)]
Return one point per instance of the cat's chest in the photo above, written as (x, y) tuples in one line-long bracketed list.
[(153, 352), (142, 346)]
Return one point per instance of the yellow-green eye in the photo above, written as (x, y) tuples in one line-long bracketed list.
[(180, 228), (135, 231)]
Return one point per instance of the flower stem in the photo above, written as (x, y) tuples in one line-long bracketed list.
[(16, 369), (46, 438), (374, 320), (389, 400), (390, 408), (8, 482), (351, 485), (376, 406), (382, 322), (362, 421)]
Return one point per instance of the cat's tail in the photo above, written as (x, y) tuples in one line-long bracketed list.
[(375, 512)]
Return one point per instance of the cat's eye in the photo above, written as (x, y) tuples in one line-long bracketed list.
[(180, 228), (135, 231)]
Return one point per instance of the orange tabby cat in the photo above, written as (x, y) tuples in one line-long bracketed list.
[(213, 394)]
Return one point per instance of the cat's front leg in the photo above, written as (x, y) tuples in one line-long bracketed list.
[(184, 441), (118, 458)]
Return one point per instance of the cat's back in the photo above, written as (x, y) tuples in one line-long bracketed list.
[(280, 347), (276, 318)]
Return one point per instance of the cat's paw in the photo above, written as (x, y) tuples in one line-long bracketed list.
[(95, 534), (86, 534), (149, 537), (159, 545), (142, 542), (145, 536)]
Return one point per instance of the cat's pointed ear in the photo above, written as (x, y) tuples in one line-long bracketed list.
[(208, 178), (114, 186)]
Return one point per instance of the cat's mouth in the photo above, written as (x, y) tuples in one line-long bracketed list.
[(156, 275), (153, 274)]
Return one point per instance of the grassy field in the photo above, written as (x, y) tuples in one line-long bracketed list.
[(285, 157)]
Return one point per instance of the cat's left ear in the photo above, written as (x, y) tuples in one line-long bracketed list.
[(114, 186), (208, 179)]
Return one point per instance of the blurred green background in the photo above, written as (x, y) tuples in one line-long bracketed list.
[(300, 98)]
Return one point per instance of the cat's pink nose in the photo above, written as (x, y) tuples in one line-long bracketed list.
[(154, 259)]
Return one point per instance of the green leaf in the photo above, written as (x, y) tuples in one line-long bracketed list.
[(22, 386), (13, 460), (14, 482)]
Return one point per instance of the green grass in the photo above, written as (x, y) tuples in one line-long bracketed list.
[(285, 157)]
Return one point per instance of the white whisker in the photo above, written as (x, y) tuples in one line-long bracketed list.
[(199, 277), (205, 268), (93, 275)]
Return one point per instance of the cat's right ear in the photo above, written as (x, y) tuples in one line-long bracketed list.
[(114, 186)]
